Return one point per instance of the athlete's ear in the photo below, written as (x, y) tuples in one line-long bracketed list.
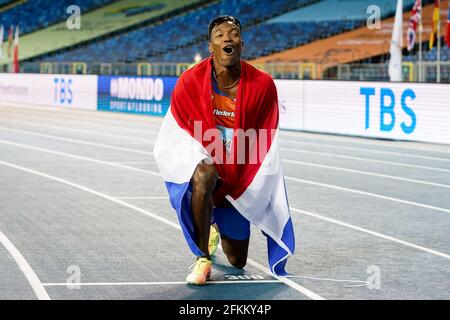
[(210, 48)]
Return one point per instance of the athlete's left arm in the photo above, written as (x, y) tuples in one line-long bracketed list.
[(268, 112)]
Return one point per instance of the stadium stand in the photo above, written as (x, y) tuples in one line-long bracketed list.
[(352, 46), (118, 16), (8, 4), (36, 18), (338, 10), (280, 33), (266, 39), (179, 32), (429, 55), (297, 27), (323, 33)]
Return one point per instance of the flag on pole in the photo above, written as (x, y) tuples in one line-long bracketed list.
[(1, 40), (16, 51), (416, 16), (395, 62), (435, 23), (447, 35), (10, 40)]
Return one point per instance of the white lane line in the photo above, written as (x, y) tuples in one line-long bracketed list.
[(156, 126), (136, 162), (157, 122), (250, 261), (69, 155), (369, 141), (288, 282), (364, 283), (95, 144), (286, 177), (154, 123), (400, 164), (151, 142), (410, 155), (162, 283), (67, 112), (151, 153), (96, 133), (25, 267), (375, 195), (144, 198), (83, 122), (376, 234), (373, 174), (99, 194)]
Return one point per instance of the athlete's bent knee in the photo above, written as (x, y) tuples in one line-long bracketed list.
[(204, 178), (237, 262)]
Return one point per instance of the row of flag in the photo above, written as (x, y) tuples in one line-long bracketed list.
[(416, 18), (15, 64)]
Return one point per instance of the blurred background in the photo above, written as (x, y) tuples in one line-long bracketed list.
[(290, 39)]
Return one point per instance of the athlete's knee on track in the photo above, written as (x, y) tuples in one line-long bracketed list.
[(237, 261)]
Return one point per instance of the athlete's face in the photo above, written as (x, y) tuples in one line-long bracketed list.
[(226, 44)]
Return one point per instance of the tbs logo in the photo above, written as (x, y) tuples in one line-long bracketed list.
[(390, 108)]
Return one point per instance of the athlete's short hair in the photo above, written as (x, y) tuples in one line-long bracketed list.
[(216, 21)]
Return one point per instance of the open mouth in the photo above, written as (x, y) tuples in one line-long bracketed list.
[(228, 49)]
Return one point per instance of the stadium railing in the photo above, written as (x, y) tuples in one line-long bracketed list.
[(278, 70)]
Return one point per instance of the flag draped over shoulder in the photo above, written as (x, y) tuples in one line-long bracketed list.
[(434, 27), (255, 187), (416, 16)]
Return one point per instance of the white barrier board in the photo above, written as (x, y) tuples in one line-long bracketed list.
[(77, 91), (404, 111)]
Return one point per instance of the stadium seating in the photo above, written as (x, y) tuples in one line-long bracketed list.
[(268, 27), (178, 32), (295, 28), (265, 39), (429, 55), (339, 10), (38, 14), (116, 17)]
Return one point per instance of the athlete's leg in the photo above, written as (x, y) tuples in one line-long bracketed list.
[(234, 233), (203, 183)]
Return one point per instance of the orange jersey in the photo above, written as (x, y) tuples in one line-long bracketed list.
[(224, 113), (224, 110)]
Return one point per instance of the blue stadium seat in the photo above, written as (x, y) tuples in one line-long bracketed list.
[(37, 14), (165, 37), (336, 10), (263, 34)]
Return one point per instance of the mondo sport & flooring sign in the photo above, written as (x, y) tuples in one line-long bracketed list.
[(144, 95)]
